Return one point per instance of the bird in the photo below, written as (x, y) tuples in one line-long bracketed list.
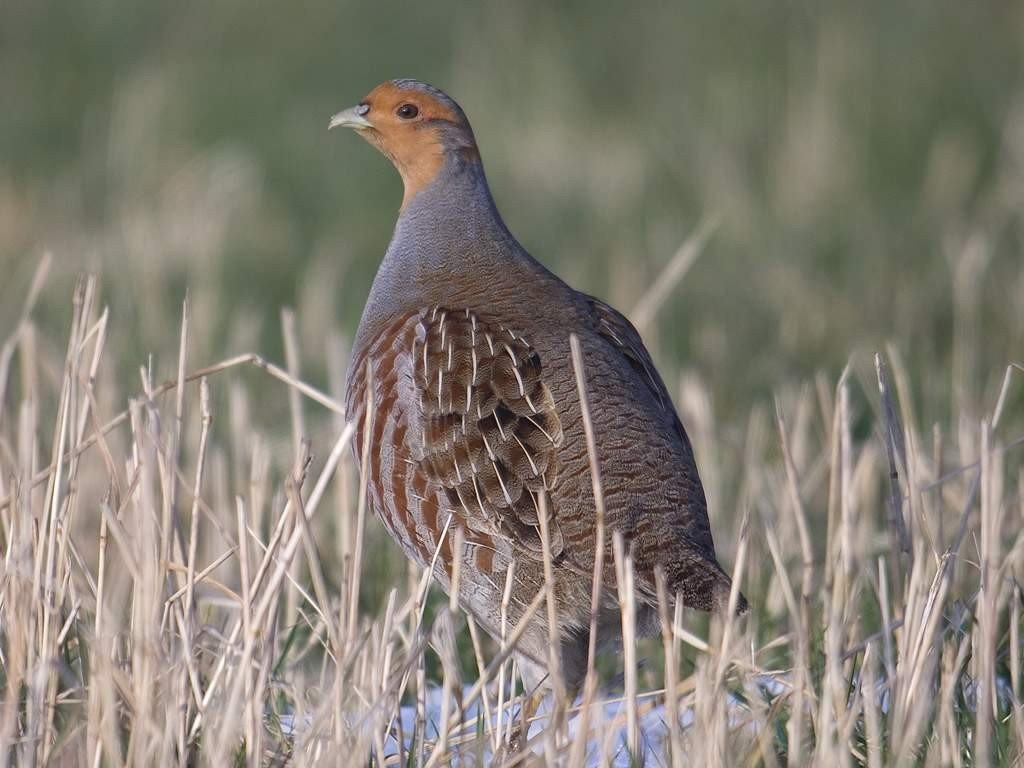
[(462, 381)]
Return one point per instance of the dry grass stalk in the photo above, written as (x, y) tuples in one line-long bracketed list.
[(149, 557)]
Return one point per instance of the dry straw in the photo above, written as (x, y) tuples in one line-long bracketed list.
[(170, 595)]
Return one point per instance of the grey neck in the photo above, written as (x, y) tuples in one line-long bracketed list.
[(447, 231), (455, 209)]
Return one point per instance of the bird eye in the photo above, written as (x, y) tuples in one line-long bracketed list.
[(407, 111)]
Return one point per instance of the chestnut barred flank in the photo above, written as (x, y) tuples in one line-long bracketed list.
[(490, 429)]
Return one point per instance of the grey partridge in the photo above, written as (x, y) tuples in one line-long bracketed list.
[(465, 342)]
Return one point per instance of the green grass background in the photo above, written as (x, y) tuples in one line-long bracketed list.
[(865, 161)]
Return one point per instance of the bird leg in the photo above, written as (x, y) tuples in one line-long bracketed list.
[(513, 752)]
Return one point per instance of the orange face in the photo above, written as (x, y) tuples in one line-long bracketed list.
[(414, 125)]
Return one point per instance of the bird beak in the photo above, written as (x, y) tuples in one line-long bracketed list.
[(349, 118)]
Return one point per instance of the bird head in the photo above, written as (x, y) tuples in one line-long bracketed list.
[(418, 127)]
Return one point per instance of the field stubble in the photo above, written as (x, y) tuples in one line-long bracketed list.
[(178, 589)]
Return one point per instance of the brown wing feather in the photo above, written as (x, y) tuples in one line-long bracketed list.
[(614, 327), (490, 432), (696, 573)]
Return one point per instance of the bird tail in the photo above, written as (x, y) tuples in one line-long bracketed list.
[(705, 586), (721, 591)]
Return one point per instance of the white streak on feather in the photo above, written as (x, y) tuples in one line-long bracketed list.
[(515, 369), (544, 431), (487, 445), (504, 490), (476, 490), (462, 502), (526, 453), (455, 461)]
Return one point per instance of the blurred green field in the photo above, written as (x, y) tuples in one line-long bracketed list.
[(858, 158)]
